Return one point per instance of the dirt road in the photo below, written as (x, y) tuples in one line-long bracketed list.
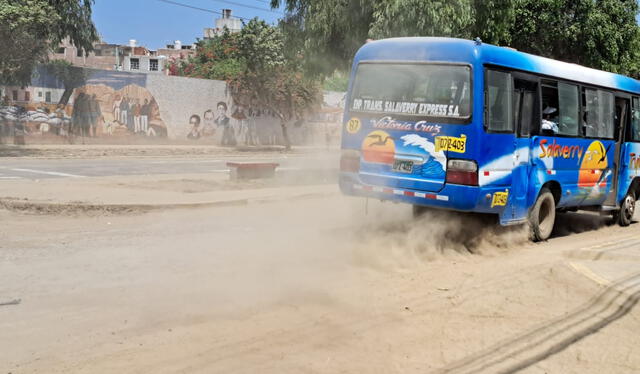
[(319, 286)]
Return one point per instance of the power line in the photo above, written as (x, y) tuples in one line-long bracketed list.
[(196, 8), (247, 6)]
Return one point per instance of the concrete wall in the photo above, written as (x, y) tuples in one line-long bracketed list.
[(123, 107)]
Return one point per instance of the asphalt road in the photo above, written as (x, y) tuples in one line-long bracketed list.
[(79, 168)]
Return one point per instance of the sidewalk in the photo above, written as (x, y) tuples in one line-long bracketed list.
[(144, 193), (149, 150)]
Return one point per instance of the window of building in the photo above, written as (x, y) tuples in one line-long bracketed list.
[(135, 64), (79, 52), (39, 93), (153, 65), (27, 96), (499, 101), (60, 50), (47, 97), (598, 114), (14, 94)]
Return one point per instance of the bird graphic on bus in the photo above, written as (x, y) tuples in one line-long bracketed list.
[(382, 140), (379, 147)]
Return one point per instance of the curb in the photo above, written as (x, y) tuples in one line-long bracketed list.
[(17, 205)]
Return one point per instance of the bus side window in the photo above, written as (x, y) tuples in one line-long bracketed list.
[(569, 109), (499, 114), (524, 110), (634, 134), (598, 117), (550, 117)]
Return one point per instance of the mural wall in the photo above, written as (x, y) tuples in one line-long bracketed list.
[(123, 107)]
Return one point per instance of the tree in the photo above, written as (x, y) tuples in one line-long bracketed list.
[(602, 34), (421, 17), (71, 77), (284, 92), (215, 58), (30, 28), (259, 72), (327, 32), (493, 21), (270, 80)]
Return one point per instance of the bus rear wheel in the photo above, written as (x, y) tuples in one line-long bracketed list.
[(543, 216), (627, 209)]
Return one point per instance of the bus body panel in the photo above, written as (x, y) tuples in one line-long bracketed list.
[(629, 168), (511, 169)]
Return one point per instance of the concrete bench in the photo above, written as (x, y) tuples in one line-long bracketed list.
[(252, 170)]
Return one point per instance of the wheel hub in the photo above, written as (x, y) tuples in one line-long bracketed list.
[(629, 206)]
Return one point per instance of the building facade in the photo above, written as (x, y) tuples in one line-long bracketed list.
[(234, 25)]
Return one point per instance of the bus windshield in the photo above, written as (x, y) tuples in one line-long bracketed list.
[(425, 90)]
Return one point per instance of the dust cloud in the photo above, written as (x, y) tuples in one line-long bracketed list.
[(388, 231)]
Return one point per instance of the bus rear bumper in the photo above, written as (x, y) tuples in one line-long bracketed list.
[(451, 197)]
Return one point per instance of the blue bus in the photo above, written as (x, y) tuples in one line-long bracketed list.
[(467, 126)]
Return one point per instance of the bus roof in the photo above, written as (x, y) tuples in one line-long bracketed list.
[(467, 51)]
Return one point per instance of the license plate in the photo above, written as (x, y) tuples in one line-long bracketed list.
[(403, 166)]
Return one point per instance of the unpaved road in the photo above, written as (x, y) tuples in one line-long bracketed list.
[(319, 286)]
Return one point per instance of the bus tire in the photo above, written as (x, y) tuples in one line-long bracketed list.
[(543, 216), (627, 209)]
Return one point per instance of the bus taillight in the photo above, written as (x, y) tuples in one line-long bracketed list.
[(350, 161), (462, 172)]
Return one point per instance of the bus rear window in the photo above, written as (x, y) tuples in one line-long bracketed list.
[(424, 90)]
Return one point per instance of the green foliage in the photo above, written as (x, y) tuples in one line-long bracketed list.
[(338, 81), (602, 34), (30, 28), (216, 58), (21, 24), (419, 18), (493, 20), (329, 31), (261, 46)]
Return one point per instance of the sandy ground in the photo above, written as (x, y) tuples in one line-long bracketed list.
[(316, 286)]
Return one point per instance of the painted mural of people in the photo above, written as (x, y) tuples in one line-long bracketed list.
[(95, 113), (243, 129), (195, 132), (130, 121), (80, 114), (115, 108), (59, 122), (145, 113), (228, 133), (137, 127), (208, 124), (123, 112)]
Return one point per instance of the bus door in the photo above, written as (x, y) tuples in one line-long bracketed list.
[(525, 114), (622, 121)]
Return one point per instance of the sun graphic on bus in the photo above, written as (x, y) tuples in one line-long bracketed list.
[(378, 147), (593, 166)]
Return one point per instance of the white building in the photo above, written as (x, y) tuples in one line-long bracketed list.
[(144, 64), (234, 24)]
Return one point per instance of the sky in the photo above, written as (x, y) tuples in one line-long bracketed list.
[(154, 23)]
